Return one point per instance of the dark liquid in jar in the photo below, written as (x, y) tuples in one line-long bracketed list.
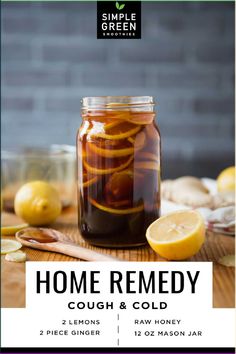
[(118, 177)]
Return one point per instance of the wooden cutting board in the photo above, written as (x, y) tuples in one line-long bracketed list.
[(216, 246)]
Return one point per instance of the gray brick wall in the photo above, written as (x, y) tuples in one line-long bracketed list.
[(51, 58)]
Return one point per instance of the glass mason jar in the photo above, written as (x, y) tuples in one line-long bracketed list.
[(55, 164), (118, 152)]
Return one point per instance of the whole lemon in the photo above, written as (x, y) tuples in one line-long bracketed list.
[(38, 203), (226, 180)]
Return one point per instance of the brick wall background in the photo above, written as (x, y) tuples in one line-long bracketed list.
[(51, 58)]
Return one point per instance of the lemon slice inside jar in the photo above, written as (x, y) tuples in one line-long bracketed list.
[(147, 165), (119, 203), (90, 182), (116, 211), (142, 119), (99, 171), (117, 136), (111, 125), (147, 155), (111, 153), (138, 143)]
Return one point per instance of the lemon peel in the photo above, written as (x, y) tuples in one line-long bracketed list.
[(116, 211), (131, 140), (98, 171), (119, 203), (12, 229)]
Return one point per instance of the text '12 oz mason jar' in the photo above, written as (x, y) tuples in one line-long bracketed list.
[(118, 151)]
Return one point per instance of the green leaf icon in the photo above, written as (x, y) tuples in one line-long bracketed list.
[(119, 7)]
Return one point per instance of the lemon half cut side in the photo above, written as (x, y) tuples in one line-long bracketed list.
[(177, 236)]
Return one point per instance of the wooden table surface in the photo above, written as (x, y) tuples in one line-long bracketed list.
[(216, 246)]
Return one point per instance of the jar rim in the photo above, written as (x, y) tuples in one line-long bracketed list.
[(51, 152), (116, 102)]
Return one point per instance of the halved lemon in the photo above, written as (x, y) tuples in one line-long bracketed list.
[(177, 236)]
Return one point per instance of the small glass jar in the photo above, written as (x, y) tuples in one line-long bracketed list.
[(55, 164), (118, 152)]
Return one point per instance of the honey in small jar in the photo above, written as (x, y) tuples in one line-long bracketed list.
[(118, 153)]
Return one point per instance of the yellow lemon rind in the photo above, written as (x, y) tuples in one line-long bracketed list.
[(11, 230)]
